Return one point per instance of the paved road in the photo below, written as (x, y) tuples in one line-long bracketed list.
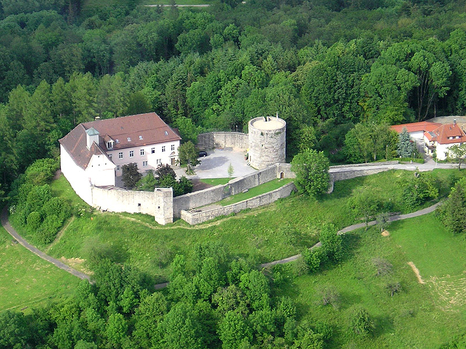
[(429, 165), (37, 252)]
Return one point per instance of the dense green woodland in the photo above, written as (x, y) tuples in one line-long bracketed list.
[(324, 66), (339, 72)]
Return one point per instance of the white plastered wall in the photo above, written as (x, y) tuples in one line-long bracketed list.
[(76, 176)]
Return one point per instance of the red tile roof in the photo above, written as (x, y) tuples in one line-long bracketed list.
[(134, 130), (75, 144), (126, 132), (447, 134), (416, 126)]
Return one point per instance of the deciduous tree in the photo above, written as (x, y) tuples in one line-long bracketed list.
[(311, 168)]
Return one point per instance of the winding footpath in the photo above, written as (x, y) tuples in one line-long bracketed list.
[(6, 224), (422, 212)]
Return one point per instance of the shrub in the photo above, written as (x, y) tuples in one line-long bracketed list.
[(58, 207), (331, 243), (360, 322), (313, 259), (330, 295), (383, 267), (33, 221), (41, 171), (49, 229)]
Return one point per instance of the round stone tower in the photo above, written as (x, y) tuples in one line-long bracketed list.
[(267, 141)]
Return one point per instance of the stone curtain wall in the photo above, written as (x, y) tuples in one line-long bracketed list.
[(158, 203), (237, 185), (197, 199), (268, 174), (211, 140), (338, 173), (260, 200)]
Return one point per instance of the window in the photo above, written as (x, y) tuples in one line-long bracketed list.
[(118, 167), (110, 156), (140, 138), (129, 139), (163, 148), (141, 152), (131, 153), (109, 145), (144, 163), (120, 155), (166, 133), (172, 147), (152, 150), (159, 161)]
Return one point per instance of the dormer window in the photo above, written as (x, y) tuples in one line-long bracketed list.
[(110, 145)]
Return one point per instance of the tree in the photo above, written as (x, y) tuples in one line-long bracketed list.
[(453, 211), (331, 243), (234, 330), (365, 202), (458, 153), (369, 140), (130, 175), (311, 168), (360, 322), (418, 189), (181, 329), (406, 147), (188, 154)]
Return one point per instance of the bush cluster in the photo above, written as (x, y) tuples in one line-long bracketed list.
[(36, 208)]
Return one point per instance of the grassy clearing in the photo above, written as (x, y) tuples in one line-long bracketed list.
[(422, 315), (259, 190), (262, 235), (215, 181), (26, 280), (265, 234)]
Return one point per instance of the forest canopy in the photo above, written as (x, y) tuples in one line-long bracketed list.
[(324, 66)]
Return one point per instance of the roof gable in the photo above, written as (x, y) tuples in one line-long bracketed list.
[(447, 134), (126, 132)]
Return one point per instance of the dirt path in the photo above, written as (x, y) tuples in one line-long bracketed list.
[(37, 252), (60, 234), (416, 271)]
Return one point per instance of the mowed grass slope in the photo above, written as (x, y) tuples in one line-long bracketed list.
[(262, 235), (26, 280), (421, 315)]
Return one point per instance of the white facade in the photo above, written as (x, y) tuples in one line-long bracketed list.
[(101, 171), (146, 157), (76, 176)]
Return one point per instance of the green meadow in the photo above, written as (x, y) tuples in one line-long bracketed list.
[(26, 280), (421, 315)]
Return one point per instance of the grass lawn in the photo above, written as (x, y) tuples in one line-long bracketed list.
[(26, 280), (259, 190), (265, 234), (215, 181), (422, 315)]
